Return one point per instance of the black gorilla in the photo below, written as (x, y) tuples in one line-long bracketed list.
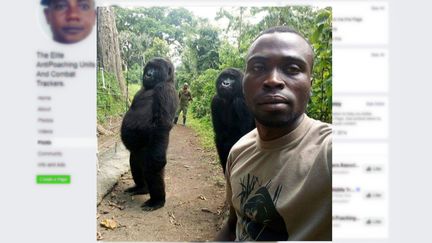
[(230, 115), (145, 130)]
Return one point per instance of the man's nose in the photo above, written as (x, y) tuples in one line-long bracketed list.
[(72, 13), (274, 80)]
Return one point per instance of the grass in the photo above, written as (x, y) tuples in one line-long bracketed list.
[(204, 129), (132, 90), (110, 101)]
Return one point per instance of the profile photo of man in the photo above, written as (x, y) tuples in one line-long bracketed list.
[(70, 20)]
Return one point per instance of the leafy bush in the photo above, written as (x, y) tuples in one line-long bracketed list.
[(320, 105), (183, 77), (230, 57), (110, 101), (203, 89), (134, 74)]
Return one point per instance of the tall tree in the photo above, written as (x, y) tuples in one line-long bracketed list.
[(108, 46), (206, 46)]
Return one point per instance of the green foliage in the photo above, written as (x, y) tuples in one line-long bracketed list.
[(300, 18), (132, 90), (200, 50), (203, 89), (230, 56), (205, 47), (109, 98), (320, 105), (142, 31), (134, 74), (133, 46), (159, 48), (182, 76), (204, 128)]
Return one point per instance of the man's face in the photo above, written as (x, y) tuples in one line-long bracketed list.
[(70, 20), (277, 80)]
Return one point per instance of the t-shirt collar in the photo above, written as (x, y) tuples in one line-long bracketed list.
[(289, 139)]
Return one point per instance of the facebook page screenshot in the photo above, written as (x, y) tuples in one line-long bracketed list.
[(165, 121)]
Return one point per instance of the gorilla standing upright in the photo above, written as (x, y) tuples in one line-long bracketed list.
[(230, 115), (145, 131)]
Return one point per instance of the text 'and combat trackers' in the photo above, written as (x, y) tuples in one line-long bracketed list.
[(53, 70), (55, 75)]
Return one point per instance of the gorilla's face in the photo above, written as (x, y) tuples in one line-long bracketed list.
[(228, 84), (157, 71), (153, 75)]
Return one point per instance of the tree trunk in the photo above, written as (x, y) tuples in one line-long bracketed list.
[(108, 45)]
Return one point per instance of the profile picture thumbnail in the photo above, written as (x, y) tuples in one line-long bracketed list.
[(70, 21)]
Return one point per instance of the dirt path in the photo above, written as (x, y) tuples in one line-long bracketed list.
[(195, 189)]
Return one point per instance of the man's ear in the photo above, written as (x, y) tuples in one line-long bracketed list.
[(311, 82)]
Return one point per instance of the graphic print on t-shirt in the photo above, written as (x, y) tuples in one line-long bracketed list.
[(261, 221)]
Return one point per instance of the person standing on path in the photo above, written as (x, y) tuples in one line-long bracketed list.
[(184, 96)]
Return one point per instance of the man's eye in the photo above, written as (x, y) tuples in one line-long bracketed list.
[(292, 69), (84, 6), (257, 67), (60, 6)]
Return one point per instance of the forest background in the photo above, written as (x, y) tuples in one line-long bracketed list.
[(200, 49)]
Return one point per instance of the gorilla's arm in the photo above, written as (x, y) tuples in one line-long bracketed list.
[(165, 103), (137, 122), (216, 113), (139, 115), (142, 97), (222, 140), (246, 121)]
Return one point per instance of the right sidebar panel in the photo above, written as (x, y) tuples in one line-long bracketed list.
[(360, 119)]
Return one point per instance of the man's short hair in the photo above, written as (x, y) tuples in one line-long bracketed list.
[(282, 29), (286, 29), (45, 2)]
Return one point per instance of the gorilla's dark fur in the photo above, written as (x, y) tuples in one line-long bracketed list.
[(230, 115), (145, 130)]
